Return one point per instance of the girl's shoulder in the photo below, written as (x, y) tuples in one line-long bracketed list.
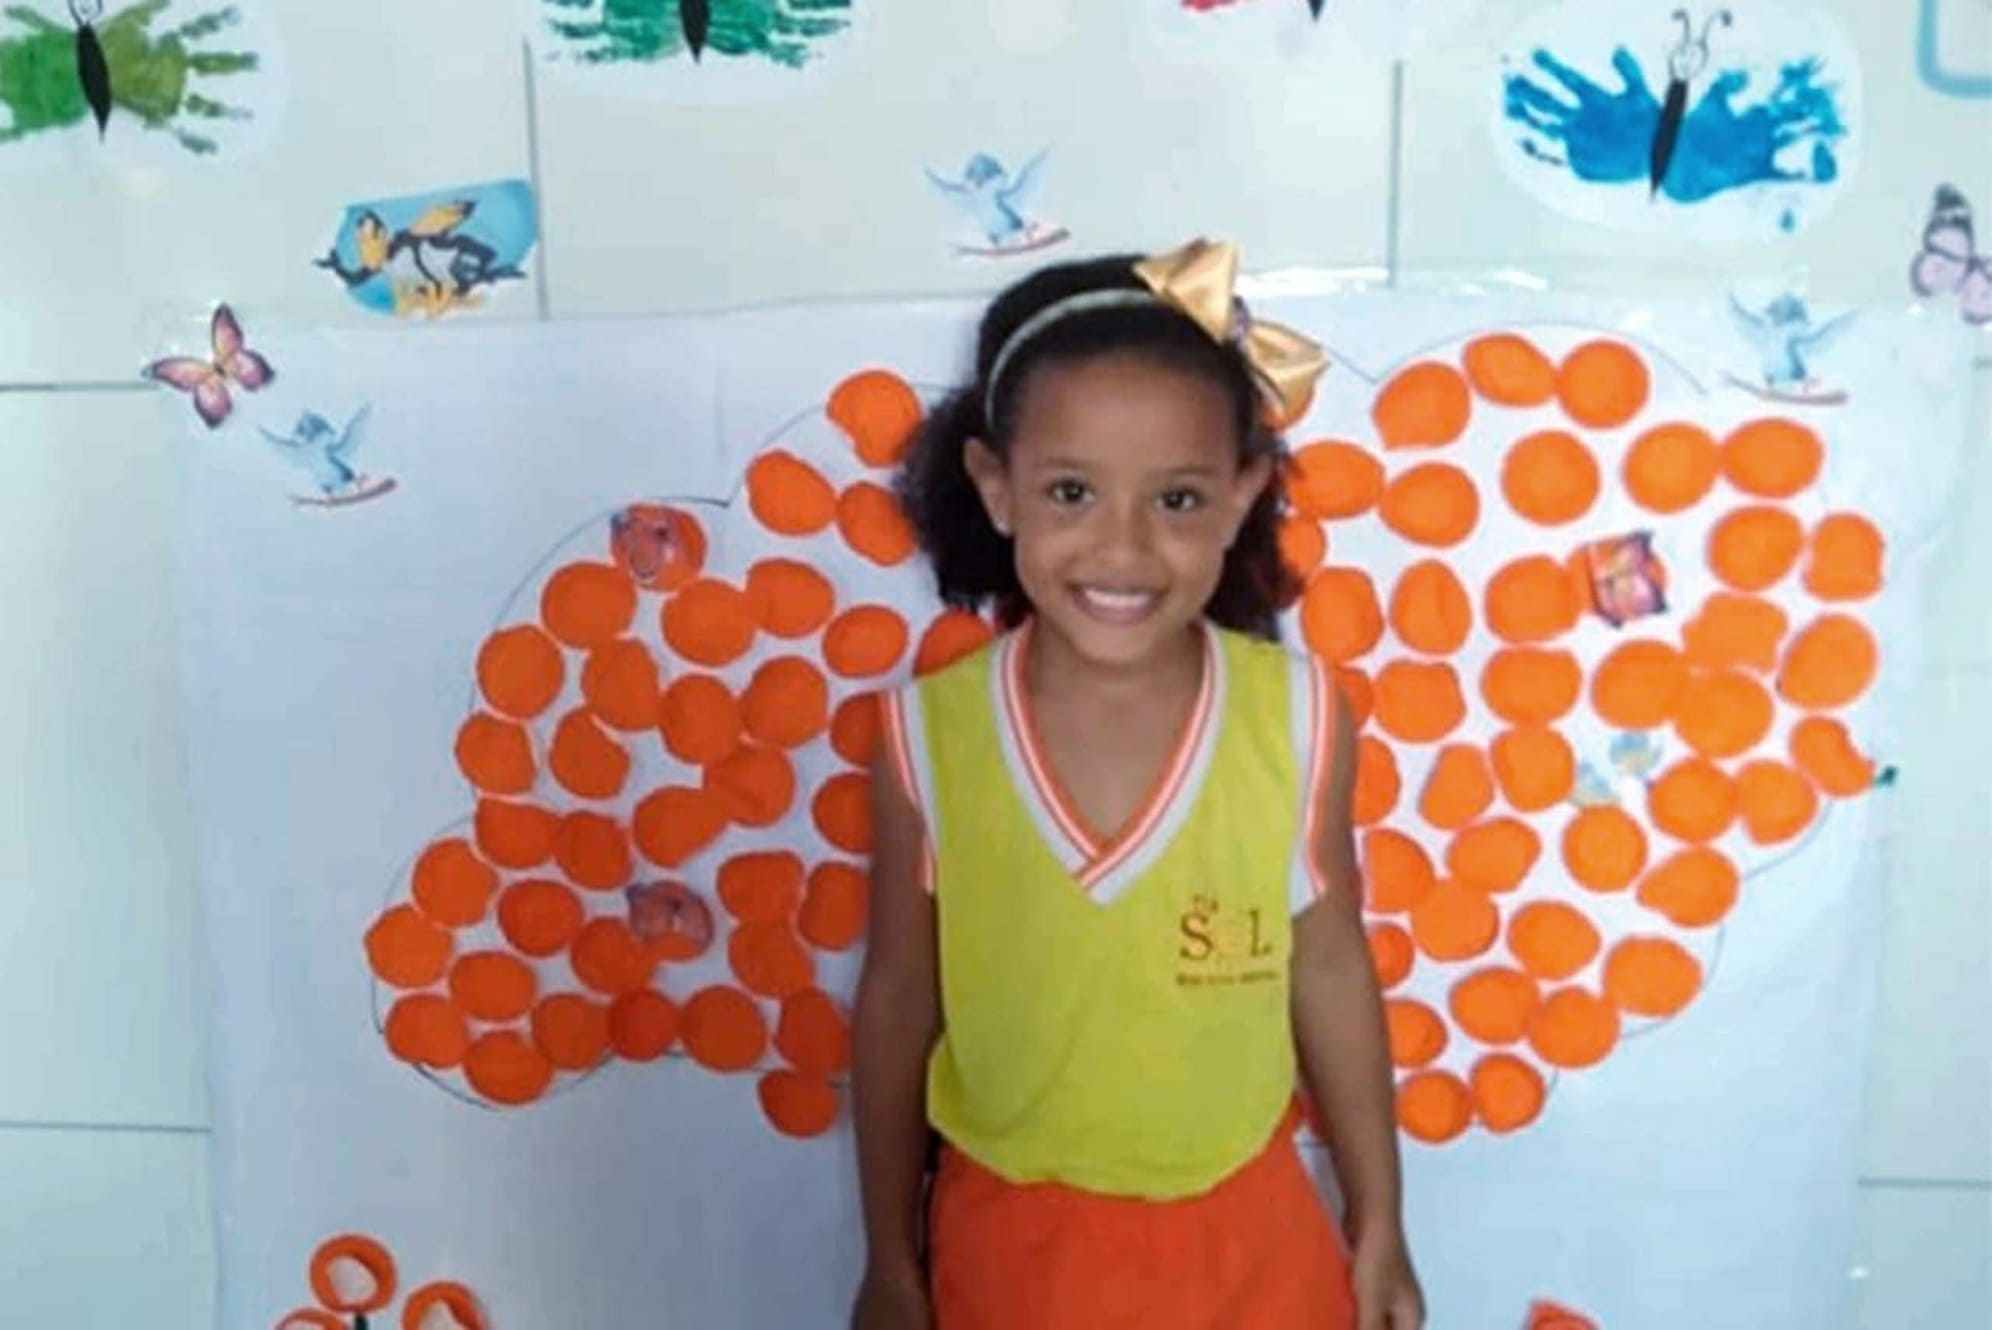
[(1254, 650), (974, 662)]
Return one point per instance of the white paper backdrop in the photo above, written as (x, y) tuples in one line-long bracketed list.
[(1702, 1173)]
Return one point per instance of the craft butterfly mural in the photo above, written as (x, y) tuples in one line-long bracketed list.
[(785, 33), (54, 76), (1950, 263), (1717, 125), (206, 381)]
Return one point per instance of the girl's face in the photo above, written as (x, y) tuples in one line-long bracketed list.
[(1122, 492)]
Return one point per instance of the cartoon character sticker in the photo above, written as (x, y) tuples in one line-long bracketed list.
[(325, 452), (998, 204), (1751, 135), (1789, 340), (1625, 578), (436, 253), (183, 83)]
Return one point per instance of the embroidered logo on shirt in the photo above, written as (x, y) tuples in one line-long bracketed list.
[(1215, 948)]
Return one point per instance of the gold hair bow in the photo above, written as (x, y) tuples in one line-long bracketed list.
[(1198, 279)]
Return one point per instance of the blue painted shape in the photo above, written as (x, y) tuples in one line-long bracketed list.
[(1606, 134), (490, 245), (1929, 63)]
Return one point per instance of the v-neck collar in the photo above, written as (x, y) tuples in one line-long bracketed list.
[(1104, 867)]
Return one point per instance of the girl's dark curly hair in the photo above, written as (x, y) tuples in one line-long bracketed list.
[(972, 561)]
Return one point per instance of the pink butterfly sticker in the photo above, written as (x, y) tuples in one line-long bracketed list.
[(1950, 263), (207, 380)]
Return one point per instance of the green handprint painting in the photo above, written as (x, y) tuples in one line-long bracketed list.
[(784, 32), (156, 75)]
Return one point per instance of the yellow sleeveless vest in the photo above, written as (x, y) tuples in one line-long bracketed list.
[(1116, 1016)]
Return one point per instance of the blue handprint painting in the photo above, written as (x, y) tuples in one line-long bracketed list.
[(1734, 124)]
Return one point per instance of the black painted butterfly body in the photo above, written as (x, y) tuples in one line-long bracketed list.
[(93, 71), (1684, 63)]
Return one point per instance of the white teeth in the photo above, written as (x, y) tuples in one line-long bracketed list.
[(1118, 600)]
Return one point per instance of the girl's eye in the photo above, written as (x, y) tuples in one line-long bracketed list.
[(1182, 501), (1067, 492)]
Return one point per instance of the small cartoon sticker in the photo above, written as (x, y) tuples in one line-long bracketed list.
[(1626, 579), (1788, 340), (436, 253), (1949, 263), (206, 381), (999, 204), (325, 451)]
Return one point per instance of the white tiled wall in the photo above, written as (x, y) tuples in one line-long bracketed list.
[(103, 1203)]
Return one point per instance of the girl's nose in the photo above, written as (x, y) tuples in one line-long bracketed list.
[(1130, 528)]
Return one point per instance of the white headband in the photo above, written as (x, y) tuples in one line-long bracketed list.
[(1055, 312)]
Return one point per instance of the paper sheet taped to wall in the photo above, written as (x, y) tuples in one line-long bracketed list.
[(532, 810)]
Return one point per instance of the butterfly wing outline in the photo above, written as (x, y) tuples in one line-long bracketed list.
[(1974, 294), (199, 379), (232, 355)]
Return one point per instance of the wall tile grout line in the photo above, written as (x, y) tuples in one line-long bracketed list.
[(131, 1128), (1925, 1184), (533, 169), (1396, 179), (80, 386)]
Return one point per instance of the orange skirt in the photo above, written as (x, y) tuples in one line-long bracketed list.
[(1257, 1252)]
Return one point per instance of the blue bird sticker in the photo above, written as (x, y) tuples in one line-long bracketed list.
[(998, 203), (325, 451), (1789, 341)]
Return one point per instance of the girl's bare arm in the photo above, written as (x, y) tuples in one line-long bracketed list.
[(897, 1021), (1345, 1056)]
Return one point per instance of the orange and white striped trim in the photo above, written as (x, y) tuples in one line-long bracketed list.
[(1311, 704), (1105, 868), (906, 747)]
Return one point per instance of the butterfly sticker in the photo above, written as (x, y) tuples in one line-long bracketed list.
[(1950, 263), (207, 380)]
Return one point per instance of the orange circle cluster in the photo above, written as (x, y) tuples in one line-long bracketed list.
[(353, 1276), (1525, 757), (647, 720), (642, 719)]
